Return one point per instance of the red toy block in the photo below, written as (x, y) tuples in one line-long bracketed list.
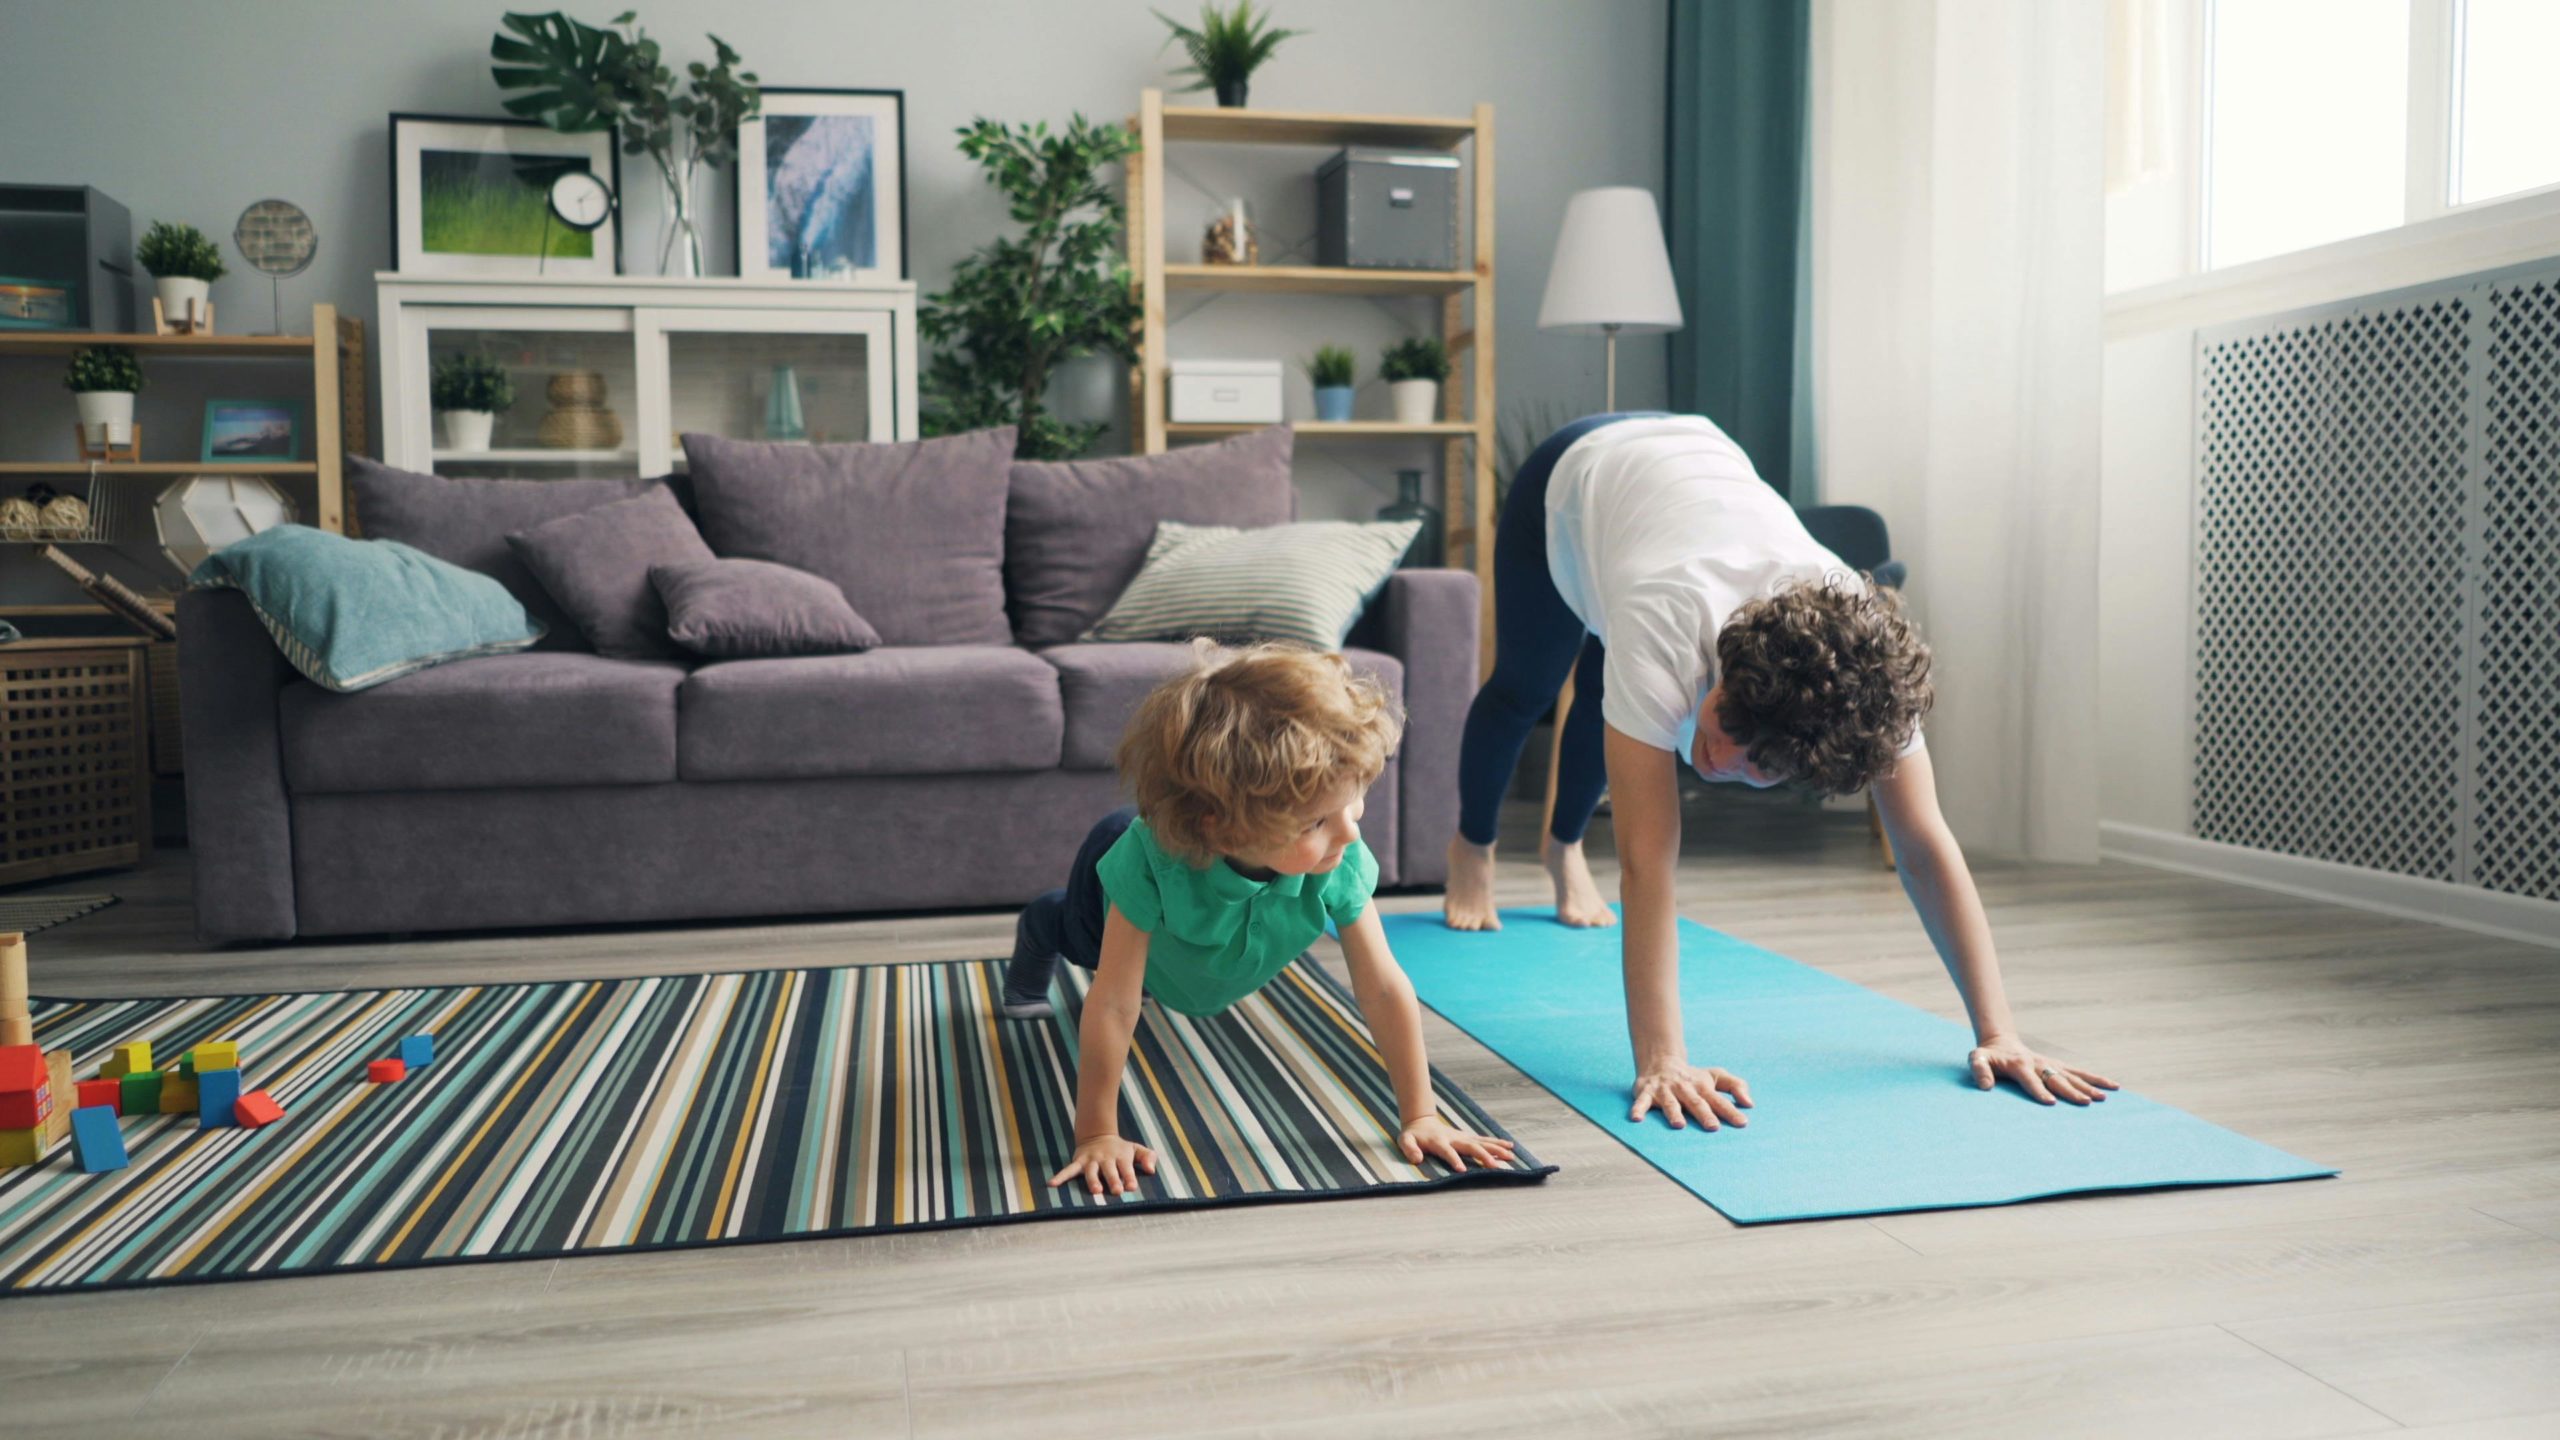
[(384, 1072), (255, 1109), (109, 1093), (26, 1095)]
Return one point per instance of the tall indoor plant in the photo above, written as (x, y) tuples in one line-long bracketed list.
[(1226, 47), (1024, 303), (576, 77)]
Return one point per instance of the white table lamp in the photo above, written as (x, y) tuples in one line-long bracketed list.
[(1612, 273)]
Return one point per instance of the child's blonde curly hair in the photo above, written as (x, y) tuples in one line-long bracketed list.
[(1228, 756)]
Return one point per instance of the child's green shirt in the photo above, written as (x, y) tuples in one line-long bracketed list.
[(1214, 936)]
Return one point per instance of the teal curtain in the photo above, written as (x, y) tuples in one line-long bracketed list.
[(1735, 149)]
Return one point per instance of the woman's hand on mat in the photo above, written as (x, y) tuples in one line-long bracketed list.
[(1454, 1147), (2045, 1081), (1681, 1091), (1107, 1162)]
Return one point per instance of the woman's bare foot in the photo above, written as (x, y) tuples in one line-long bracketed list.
[(1578, 900), (1468, 902)]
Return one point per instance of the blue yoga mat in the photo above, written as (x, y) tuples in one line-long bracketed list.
[(1862, 1105)]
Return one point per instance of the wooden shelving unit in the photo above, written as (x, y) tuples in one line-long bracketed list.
[(1468, 423)]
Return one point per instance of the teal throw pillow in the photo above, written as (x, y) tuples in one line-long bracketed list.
[(1306, 582), (353, 613)]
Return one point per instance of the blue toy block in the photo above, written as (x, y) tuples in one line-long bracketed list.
[(216, 1092), (418, 1050), (97, 1138)]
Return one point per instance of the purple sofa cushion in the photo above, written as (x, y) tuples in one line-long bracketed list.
[(912, 533), (934, 710), (596, 564), (746, 609), (537, 718), (1100, 685), (1076, 531), (467, 521)]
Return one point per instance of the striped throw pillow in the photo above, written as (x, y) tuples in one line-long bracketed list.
[(1306, 582)]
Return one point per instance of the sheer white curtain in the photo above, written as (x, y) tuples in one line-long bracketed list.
[(1958, 154)]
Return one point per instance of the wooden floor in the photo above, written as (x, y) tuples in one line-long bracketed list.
[(2419, 1294)]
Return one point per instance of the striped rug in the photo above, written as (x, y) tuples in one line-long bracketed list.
[(689, 1110)]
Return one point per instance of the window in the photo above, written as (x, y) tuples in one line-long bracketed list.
[(2506, 105), (2306, 123)]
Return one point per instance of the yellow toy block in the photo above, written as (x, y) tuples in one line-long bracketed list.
[(127, 1059), (66, 1095), (177, 1094), (24, 1147), (216, 1055)]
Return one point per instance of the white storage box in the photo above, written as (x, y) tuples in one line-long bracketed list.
[(1224, 392)]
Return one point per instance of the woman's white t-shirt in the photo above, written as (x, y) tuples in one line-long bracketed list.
[(1658, 529)]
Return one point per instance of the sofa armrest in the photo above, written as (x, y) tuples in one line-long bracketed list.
[(239, 827), (1427, 619)]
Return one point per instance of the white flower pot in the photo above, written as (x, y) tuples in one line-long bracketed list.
[(466, 429), (1417, 402), (176, 294), (106, 416)]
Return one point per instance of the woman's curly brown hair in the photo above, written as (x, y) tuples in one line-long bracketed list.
[(1823, 682)]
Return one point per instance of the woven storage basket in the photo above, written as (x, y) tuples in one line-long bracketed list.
[(75, 788)]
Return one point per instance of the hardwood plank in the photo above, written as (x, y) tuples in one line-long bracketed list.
[(2456, 1360)]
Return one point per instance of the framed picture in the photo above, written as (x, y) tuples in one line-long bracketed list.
[(822, 186), (473, 197), (38, 304), (246, 431)]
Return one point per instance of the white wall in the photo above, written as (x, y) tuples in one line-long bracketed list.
[(188, 111)]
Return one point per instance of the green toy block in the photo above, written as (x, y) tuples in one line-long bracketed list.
[(142, 1093)]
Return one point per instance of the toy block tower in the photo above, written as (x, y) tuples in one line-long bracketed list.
[(50, 1098)]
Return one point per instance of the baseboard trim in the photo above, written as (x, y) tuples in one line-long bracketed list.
[(2510, 917)]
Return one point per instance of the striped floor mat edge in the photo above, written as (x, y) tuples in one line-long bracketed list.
[(576, 1117)]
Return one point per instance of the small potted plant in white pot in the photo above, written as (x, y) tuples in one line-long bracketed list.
[(1413, 370), (103, 380), (183, 263), (469, 393), (1332, 370)]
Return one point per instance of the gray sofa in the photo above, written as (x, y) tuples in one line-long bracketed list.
[(557, 787)]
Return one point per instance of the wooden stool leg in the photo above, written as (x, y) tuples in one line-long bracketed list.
[(1875, 822)]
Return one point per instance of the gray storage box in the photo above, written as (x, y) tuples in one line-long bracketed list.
[(1387, 210), (73, 237)]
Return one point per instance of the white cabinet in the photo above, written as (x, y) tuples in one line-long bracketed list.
[(608, 373)]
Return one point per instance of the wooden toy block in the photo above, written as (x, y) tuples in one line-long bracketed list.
[(216, 1092), (386, 1072), (109, 1093), (26, 1088), (24, 1147), (58, 1082), (214, 1055), (128, 1059), (256, 1109), (141, 1093), (17, 1024), (177, 1093), (418, 1050), (97, 1139)]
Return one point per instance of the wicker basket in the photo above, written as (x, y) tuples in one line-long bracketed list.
[(75, 785)]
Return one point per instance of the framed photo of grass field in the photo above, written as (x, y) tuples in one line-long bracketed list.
[(472, 197)]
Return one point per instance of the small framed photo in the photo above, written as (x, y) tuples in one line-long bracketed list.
[(244, 432), (473, 197), (822, 187)]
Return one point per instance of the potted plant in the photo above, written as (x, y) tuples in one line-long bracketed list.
[(1332, 369), (469, 393), (1413, 370), (103, 380), (183, 263), (1226, 48)]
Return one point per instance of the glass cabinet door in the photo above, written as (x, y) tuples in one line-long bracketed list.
[(576, 381), (790, 375)]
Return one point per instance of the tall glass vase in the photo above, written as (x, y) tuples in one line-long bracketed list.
[(680, 236)]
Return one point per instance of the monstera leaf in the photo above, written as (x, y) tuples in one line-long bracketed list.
[(570, 74)]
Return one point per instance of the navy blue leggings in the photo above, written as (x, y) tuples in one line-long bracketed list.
[(1537, 638)]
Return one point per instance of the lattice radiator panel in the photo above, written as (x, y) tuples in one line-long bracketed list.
[(2378, 583)]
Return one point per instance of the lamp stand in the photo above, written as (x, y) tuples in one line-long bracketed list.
[(1610, 406)]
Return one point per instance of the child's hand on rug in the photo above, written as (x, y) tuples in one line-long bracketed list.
[(1679, 1090), (2004, 1057), (1454, 1147), (1106, 1160)]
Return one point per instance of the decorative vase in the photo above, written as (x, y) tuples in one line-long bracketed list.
[(1081, 388), (183, 300), (1414, 400), (1231, 237), (467, 430), (106, 416), (578, 418), (1333, 403), (1426, 552), (680, 239), (1231, 93), (782, 417)]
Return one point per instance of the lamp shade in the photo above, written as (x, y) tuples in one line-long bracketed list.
[(1611, 267)]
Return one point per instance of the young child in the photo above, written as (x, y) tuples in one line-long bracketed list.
[(1248, 773)]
